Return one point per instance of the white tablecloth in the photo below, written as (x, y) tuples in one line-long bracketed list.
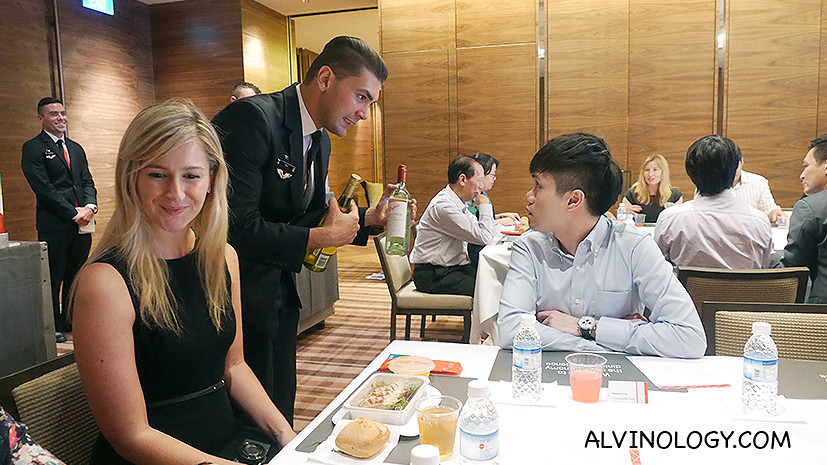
[(690, 428)]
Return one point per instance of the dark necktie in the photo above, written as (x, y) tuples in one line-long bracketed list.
[(65, 153), (310, 160)]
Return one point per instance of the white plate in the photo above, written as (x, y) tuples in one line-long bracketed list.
[(409, 429)]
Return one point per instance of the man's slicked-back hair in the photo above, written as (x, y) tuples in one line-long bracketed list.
[(461, 165), (244, 85), (581, 161), (47, 101), (820, 146), (711, 163), (487, 161), (347, 56)]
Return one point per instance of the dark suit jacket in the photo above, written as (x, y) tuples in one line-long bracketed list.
[(807, 242), (55, 186), (269, 227)]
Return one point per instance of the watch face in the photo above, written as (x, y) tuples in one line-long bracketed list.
[(586, 322)]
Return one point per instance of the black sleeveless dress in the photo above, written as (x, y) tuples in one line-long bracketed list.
[(172, 367)]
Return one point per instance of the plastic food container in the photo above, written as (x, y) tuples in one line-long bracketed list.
[(412, 365), (411, 388)]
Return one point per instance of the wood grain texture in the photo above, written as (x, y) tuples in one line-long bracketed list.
[(671, 80), (266, 47), (197, 51), (24, 79), (415, 116), (822, 74), (587, 56), (107, 83), (492, 22), (773, 87), (416, 25), (497, 114)]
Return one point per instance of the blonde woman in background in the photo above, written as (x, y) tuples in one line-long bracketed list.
[(653, 189), (157, 308)]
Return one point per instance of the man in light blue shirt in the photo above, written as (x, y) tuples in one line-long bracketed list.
[(585, 277)]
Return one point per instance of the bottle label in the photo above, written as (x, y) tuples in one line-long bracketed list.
[(397, 218), (479, 447), (527, 358), (760, 370), (321, 262)]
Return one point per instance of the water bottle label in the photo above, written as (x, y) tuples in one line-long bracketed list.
[(527, 358), (479, 447), (760, 370)]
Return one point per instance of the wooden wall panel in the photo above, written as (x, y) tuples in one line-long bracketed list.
[(415, 116), (587, 62), (197, 51), (416, 24), (671, 80), (24, 79), (497, 114), (266, 47), (822, 74), (773, 87), (107, 84), (490, 22)]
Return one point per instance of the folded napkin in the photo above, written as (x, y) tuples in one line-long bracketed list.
[(327, 452)]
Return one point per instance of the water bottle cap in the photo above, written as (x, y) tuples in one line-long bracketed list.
[(761, 327), (527, 320), (478, 388), (425, 454)]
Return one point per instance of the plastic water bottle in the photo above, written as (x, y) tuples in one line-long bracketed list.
[(759, 392), (526, 372), (479, 427), (621, 212)]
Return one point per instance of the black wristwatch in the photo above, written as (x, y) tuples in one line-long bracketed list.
[(587, 324)]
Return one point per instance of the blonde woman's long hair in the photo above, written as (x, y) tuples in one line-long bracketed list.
[(153, 133), (641, 189)]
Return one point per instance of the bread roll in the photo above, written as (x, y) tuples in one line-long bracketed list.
[(362, 438)]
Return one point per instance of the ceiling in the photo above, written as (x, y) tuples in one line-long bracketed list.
[(299, 7)]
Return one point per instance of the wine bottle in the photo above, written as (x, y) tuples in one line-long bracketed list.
[(398, 227), (317, 259)]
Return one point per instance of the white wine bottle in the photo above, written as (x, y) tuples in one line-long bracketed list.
[(317, 259), (398, 227)]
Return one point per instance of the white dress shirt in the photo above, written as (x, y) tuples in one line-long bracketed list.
[(615, 271), (754, 190), (308, 128), (717, 231), (447, 227)]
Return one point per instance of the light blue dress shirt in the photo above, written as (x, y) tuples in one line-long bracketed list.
[(615, 272)]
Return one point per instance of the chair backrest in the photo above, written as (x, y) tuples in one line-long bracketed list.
[(397, 268), (778, 285), (799, 330), (49, 399)]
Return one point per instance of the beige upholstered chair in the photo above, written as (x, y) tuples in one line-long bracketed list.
[(406, 300), (777, 285), (799, 330), (49, 399)]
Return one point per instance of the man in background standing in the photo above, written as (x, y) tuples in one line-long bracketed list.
[(58, 173), (244, 89)]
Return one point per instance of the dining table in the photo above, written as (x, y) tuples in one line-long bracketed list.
[(493, 266), (691, 415)]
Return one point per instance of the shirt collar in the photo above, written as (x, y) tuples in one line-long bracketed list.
[(598, 236), (455, 198), (53, 137), (308, 125), (725, 195)]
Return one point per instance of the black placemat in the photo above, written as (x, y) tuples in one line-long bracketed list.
[(618, 367), (401, 454)]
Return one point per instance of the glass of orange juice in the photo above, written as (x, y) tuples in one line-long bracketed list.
[(585, 376), (437, 417)]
